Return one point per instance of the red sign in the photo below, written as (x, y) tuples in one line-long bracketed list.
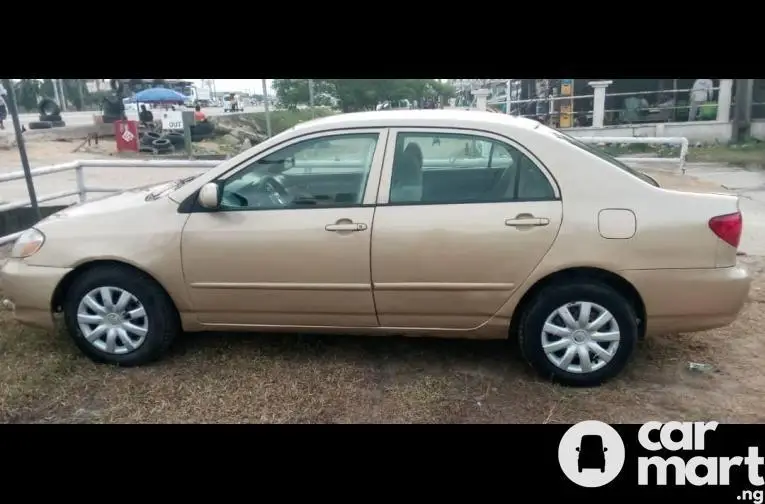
[(126, 134)]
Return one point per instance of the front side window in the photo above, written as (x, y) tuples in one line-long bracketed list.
[(321, 172), (447, 168)]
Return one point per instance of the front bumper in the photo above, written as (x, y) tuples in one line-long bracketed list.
[(30, 289)]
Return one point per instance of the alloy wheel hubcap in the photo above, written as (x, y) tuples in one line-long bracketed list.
[(580, 337), (113, 320)]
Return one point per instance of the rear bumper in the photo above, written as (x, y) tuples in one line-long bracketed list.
[(30, 289), (689, 300)]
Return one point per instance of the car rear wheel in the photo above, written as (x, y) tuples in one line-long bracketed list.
[(116, 315), (578, 334)]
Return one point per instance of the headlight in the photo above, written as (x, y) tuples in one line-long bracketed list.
[(28, 243)]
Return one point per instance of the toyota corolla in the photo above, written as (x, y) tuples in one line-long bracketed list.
[(459, 224)]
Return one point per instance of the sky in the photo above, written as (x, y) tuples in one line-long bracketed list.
[(243, 85)]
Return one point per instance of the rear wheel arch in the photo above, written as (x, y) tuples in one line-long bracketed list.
[(576, 275), (66, 282)]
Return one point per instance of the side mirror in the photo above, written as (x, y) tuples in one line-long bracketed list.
[(209, 196)]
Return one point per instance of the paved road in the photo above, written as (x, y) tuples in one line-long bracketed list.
[(85, 118)]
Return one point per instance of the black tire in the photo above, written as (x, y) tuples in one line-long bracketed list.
[(50, 118), (549, 300), (58, 124), (48, 107), (176, 139), (149, 137), (202, 128), (163, 320), (147, 149), (36, 125), (161, 143)]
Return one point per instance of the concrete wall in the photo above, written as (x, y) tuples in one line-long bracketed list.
[(697, 131)]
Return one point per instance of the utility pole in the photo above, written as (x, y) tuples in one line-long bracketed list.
[(55, 90), (11, 99), (265, 104), (310, 97), (63, 96), (81, 94), (742, 110)]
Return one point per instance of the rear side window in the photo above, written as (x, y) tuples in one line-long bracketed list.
[(438, 168)]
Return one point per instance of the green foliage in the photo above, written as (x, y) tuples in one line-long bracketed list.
[(359, 94), (29, 92)]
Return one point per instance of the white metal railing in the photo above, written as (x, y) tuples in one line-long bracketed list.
[(548, 105), (681, 141), (82, 189)]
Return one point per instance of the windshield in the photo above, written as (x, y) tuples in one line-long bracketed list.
[(591, 443), (604, 156)]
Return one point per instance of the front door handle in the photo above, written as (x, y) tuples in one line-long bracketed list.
[(350, 226), (527, 221)]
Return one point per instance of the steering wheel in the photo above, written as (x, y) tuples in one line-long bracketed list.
[(278, 188), (236, 200)]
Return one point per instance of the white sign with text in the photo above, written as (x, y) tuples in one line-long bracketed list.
[(172, 120)]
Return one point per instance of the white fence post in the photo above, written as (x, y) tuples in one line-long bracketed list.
[(481, 96), (724, 96), (81, 189), (599, 102)]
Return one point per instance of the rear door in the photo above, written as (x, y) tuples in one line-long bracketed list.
[(450, 253)]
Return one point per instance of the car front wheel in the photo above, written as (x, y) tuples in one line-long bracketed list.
[(119, 316), (578, 334)]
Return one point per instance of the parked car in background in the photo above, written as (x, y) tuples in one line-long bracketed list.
[(448, 223)]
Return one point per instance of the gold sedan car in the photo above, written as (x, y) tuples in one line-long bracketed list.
[(446, 223)]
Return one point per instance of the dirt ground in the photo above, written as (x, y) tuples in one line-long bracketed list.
[(231, 378)]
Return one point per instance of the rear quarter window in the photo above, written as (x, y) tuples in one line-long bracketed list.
[(604, 156)]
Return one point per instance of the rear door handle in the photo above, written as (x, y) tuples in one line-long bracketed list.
[(346, 227), (527, 221)]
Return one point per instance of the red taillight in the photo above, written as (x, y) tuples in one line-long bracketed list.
[(728, 227)]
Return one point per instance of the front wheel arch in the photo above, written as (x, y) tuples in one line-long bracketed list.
[(57, 299), (581, 274)]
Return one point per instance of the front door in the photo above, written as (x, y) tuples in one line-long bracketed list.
[(463, 219), (290, 244)]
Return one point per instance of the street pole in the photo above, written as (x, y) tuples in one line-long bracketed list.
[(310, 97), (63, 95), (55, 90), (11, 99), (265, 104), (81, 94)]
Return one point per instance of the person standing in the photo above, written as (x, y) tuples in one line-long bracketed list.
[(701, 92)]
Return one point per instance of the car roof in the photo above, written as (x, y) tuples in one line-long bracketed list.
[(428, 118)]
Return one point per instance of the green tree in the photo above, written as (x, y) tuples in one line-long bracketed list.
[(360, 94), (27, 93)]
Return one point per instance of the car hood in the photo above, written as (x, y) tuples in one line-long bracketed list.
[(119, 202)]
